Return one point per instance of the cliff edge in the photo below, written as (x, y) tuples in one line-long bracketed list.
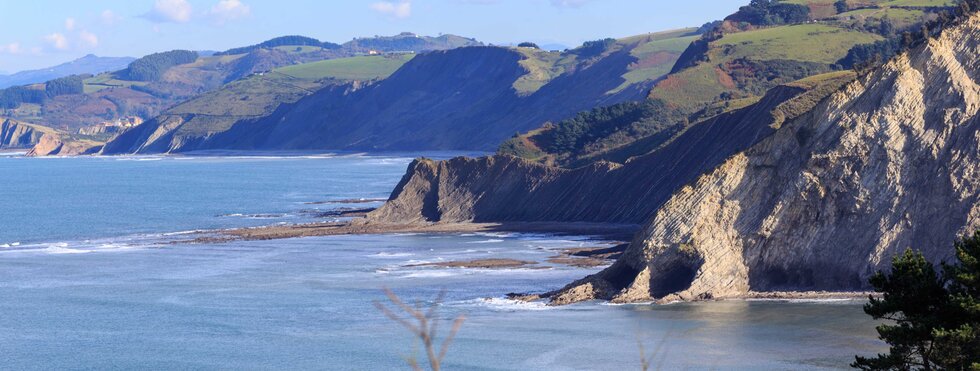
[(889, 163)]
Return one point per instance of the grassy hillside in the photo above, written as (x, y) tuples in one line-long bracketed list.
[(162, 80), (728, 68), (355, 68), (260, 94), (654, 55)]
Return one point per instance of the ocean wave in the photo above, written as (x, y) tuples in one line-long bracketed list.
[(808, 300), (504, 304), (488, 241), (391, 255), (253, 216), (443, 273)]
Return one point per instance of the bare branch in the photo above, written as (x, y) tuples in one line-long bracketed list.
[(425, 326), (457, 324)]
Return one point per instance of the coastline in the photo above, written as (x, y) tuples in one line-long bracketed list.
[(619, 233), (613, 232)]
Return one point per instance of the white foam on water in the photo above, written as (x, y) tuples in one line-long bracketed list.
[(435, 273), (807, 300), (391, 255), (488, 241), (505, 305), (62, 248)]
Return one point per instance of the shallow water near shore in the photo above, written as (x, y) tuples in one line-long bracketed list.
[(101, 286)]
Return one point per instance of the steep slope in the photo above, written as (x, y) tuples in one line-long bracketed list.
[(465, 98), (160, 84), (889, 163), (506, 188), (89, 64), (15, 134), (732, 65), (249, 99)]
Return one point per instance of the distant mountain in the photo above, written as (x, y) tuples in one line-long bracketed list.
[(149, 86), (464, 98), (89, 64)]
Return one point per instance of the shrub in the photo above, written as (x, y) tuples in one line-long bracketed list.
[(281, 41), (594, 48)]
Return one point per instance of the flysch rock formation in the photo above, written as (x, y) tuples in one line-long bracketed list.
[(14, 134), (55, 144), (508, 189), (889, 163)]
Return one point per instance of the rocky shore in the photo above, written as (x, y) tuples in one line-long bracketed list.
[(618, 232)]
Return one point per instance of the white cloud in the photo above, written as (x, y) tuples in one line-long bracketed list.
[(109, 18), (12, 48), (175, 11), (70, 24), (88, 39), (401, 9), (229, 10), (57, 40), (568, 3)]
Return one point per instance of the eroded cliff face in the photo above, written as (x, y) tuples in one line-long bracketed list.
[(506, 189), (57, 144), (14, 134), (889, 163)]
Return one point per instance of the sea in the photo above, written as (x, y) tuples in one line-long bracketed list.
[(97, 272)]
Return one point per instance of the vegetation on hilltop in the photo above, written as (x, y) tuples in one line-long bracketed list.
[(152, 67), (66, 85), (594, 48), (732, 64), (771, 12), (293, 40), (407, 41)]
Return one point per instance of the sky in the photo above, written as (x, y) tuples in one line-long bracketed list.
[(42, 33)]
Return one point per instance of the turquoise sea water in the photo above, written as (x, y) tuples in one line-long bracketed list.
[(91, 277)]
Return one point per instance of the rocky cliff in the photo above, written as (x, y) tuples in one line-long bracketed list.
[(58, 144), (505, 188), (15, 134), (889, 163)]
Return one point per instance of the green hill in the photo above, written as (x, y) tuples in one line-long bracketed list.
[(354, 68), (728, 68), (152, 84), (464, 98)]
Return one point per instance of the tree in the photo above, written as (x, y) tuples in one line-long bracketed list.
[(934, 318), (959, 345), (528, 44), (841, 6), (74, 84)]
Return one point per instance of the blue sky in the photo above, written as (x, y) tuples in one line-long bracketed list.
[(41, 33)]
